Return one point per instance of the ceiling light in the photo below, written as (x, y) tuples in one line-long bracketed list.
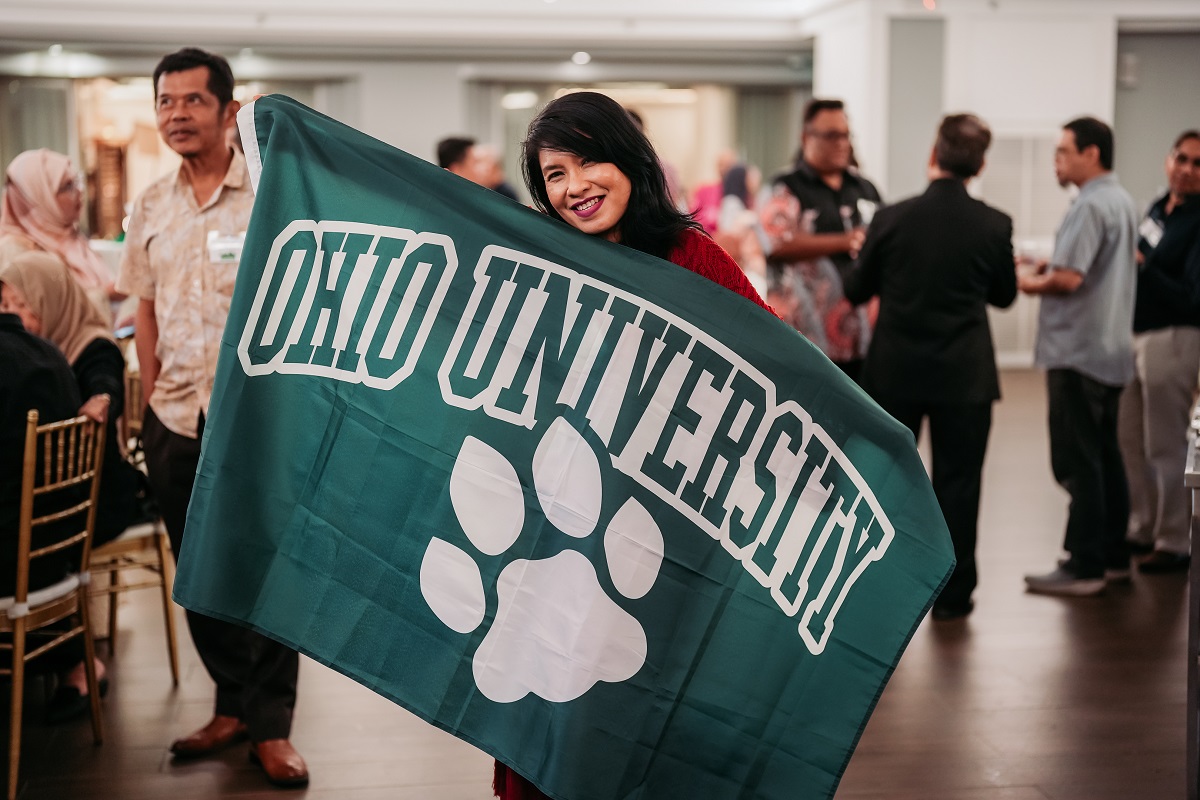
[(513, 101), (581, 58)]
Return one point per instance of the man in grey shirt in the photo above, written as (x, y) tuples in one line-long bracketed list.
[(1085, 345)]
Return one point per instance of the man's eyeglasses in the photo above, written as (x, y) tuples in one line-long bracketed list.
[(831, 136), (1182, 160)]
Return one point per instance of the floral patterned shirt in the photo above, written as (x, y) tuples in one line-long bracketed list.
[(184, 257), (807, 294)]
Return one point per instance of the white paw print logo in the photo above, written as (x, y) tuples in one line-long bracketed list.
[(556, 632)]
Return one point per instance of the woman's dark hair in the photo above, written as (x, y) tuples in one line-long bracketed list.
[(593, 126)]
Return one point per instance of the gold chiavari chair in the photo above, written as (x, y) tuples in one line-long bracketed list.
[(60, 483), (143, 551)]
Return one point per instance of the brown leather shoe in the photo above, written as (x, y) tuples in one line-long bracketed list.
[(280, 761), (220, 732)]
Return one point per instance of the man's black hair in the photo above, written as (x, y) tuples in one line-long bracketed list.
[(1183, 137), (452, 150), (816, 106), (220, 76), (1090, 131), (962, 140)]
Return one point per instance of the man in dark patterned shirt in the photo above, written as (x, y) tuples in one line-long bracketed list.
[(815, 221)]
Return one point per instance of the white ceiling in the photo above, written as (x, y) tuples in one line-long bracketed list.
[(112, 36), (396, 27)]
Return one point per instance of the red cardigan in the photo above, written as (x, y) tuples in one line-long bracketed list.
[(700, 254)]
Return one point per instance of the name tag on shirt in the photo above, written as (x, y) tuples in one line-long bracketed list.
[(224, 248), (1151, 230), (866, 210)]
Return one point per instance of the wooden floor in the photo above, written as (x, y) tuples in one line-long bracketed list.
[(1031, 698)]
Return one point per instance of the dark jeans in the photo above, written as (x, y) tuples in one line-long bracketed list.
[(1087, 463), (255, 675), (958, 435)]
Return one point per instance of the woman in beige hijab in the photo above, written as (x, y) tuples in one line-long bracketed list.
[(38, 288), (40, 211)]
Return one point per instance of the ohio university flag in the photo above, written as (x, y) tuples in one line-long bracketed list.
[(598, 516)]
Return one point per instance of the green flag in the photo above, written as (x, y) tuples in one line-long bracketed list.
[(600, 517)]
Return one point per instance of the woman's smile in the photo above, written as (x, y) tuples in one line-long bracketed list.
[(588, 207), (591, 196)]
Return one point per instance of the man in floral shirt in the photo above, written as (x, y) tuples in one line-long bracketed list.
[(815, 221)]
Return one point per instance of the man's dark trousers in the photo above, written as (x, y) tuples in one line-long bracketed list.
[(958, 435), (1087, 463), (255, 675)]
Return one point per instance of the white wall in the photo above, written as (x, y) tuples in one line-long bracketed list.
[(411, 105), (850, 63), (1027, 72), (916, 101)]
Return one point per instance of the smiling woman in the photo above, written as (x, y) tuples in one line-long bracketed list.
[(583, 148), (588, 195), (587, 164)]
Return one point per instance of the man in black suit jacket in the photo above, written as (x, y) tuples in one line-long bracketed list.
[(936, 261)]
